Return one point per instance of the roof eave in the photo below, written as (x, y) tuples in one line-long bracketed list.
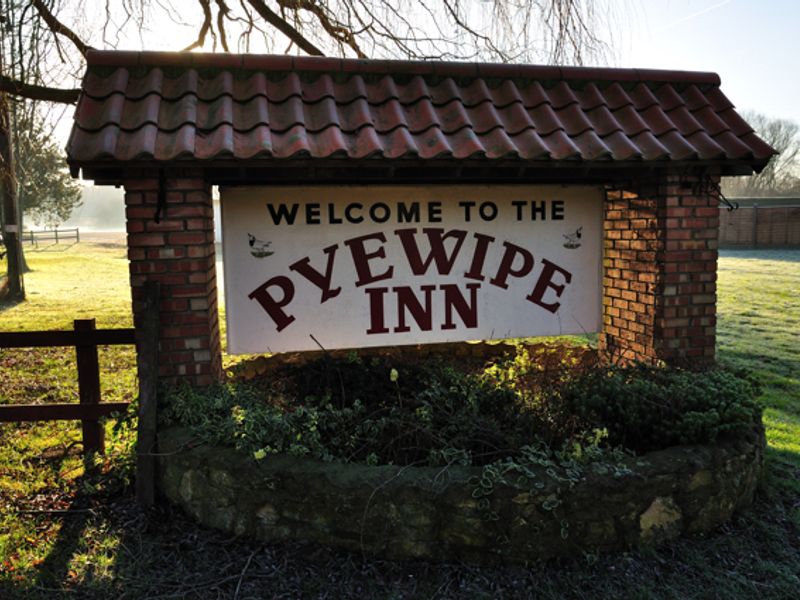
[(372, 171)]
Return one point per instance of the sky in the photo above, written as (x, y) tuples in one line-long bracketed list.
[(754, 46)]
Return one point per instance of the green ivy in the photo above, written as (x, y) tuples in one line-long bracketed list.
[(505, 417), (647, 408)]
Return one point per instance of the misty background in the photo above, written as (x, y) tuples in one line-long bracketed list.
[(103, 210)]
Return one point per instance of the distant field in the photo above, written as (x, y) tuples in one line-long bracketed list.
[(104, 548)]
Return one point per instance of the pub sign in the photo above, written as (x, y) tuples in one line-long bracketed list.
[(358, 266)]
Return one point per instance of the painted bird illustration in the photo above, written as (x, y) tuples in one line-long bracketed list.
[(258, 248), (572, 239)]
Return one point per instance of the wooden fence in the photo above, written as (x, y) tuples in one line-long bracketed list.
[(760, 227), (86, 338), (46, 235)]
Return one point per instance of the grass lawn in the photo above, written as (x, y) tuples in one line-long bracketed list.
[(71, 530)]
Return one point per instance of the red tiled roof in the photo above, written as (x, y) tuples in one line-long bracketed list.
[(145, 107)]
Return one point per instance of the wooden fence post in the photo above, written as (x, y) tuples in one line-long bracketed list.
[(89, 388), (147, 354)]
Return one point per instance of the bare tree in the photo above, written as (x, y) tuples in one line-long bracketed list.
[(781, 176), (47, 39), (44, 42)]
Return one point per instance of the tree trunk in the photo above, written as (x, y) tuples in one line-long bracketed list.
[(11, 222)]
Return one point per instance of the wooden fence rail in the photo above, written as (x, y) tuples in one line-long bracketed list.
[(85, 338), (34, 237)]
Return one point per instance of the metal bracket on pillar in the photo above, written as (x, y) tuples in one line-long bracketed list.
[(161, 207), (707, 187)]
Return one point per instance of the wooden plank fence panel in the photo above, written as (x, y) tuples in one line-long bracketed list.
[(793, 227), (760, 226)]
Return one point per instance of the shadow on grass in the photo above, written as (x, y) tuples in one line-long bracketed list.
[(6, 304), (54, 570), (52, 247)]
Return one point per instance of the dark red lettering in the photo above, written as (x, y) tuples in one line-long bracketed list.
[(376, 312), (407, 300), (361, 258), (453, 298), (544, 282), (479, 256), (323, 282), (506, 267), (437, 254), (274, 307)]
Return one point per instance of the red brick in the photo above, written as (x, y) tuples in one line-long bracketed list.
[(674, 212), (707, 211), (145, 239), (166, 225), (140, 212), (188, 238), (134, 226), (186, 211)]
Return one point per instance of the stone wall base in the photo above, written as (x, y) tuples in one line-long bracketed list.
[(430, 513)]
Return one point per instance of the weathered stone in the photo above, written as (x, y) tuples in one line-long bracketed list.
[(267, 514), (405, 512), (700, 479), (661, 520)]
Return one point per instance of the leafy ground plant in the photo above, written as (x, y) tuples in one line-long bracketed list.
[(391, 410)]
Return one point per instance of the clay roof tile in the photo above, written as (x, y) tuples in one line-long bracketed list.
[(152, 106)]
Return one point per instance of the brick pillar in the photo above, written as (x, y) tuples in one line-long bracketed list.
[(179, 253), (660, 272)]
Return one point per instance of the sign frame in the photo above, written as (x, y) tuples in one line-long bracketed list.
[(506, 213)]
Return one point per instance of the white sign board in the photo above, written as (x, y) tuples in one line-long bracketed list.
[(356, 266)]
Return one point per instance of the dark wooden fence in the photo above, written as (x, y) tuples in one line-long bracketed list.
[(86, 338), (760, 227), (46, 235)]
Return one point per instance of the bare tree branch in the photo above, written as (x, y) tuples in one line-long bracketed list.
[(201, 36), (285, 28), (338, 31), (38, 92), (781, 176), (58, 27)]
